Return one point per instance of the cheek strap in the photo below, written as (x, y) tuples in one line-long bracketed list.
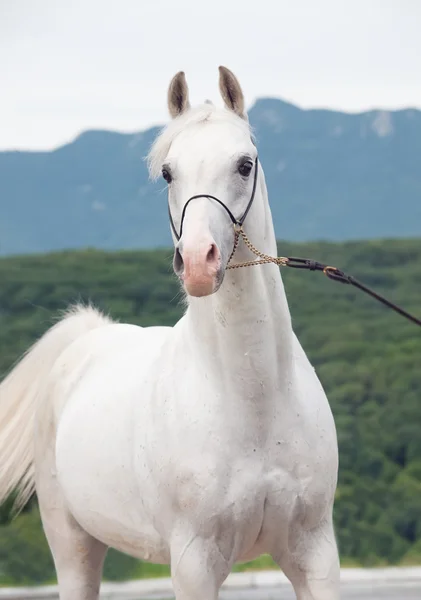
[(239, 222)]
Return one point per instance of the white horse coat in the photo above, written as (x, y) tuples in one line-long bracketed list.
[(199, 445)]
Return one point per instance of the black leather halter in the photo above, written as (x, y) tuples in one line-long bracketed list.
[(235, 221), (297, 263)]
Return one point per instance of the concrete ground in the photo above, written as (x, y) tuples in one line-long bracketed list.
[(388, 591), (364, 584)]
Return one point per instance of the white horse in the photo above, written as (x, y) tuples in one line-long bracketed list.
[(201, 445)]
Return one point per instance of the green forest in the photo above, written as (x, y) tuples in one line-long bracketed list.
[(367, 357)]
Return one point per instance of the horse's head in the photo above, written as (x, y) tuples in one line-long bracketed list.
[(207, 157)]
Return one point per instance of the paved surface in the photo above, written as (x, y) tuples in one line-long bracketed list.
[(393, 584), (400, 591), (364, 584), (348, 592)]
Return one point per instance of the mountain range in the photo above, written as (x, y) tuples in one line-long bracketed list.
[(330, 175)]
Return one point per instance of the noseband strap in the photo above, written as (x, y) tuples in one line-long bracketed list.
[(235, 221)]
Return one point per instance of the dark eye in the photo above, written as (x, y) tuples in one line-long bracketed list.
[(166, 175), (245, 168)]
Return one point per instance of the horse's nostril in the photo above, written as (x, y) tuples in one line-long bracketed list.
[(212, 254), (178, 262)]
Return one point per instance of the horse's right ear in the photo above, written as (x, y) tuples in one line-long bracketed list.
[(178, 95)]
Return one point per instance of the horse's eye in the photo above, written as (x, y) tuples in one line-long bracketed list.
[(245, 168), (166, 175)]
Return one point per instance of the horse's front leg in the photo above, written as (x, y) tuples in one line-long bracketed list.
[(198, 567), (311, 563)]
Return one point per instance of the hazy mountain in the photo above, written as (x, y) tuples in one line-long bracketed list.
[(330, 175)]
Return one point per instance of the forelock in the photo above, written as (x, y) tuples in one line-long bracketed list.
[(194, 117)]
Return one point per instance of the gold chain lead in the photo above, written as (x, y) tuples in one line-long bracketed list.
[(264, 259)]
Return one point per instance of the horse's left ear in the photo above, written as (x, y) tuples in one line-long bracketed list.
[(231, 92), (178, 95)]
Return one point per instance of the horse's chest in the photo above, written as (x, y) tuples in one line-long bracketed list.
[(215, 496), (301, 481), (216, 484)]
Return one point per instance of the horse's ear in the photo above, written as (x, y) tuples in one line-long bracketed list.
[(178, 95), (231, 92)]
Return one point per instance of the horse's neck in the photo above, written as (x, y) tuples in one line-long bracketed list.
[(245, 328)]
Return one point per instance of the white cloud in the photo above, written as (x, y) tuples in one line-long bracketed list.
[(69, 66)]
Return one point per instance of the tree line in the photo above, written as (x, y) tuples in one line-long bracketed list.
[(367, 357)]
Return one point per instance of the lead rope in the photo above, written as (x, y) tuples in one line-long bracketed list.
[(264, 259), (311, 265)]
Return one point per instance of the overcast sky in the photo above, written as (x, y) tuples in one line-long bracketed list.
[(70, 65)]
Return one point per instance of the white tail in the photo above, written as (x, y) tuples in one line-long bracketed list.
[(19, 394)]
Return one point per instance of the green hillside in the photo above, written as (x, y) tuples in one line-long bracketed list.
[(367, 357)]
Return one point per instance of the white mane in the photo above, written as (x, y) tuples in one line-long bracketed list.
[(197, 116)]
